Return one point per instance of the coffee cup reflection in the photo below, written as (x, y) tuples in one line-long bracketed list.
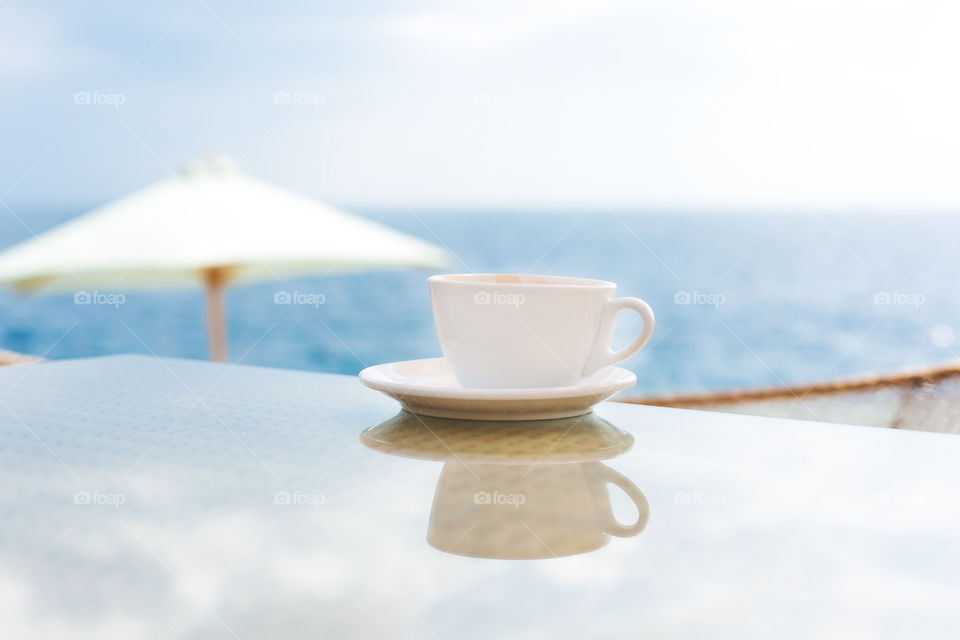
[(529, 511), (513, 490)]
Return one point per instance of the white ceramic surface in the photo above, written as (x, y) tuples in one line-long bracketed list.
[(429, 387), (523, 331)]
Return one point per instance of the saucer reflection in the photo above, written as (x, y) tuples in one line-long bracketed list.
[(578, 439), (515, 490)]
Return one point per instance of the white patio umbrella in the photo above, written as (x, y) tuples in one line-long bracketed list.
[(210, 226)]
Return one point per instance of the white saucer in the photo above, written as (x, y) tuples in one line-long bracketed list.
[(428, 387)]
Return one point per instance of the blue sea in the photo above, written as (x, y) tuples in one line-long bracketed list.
[(740, 300)]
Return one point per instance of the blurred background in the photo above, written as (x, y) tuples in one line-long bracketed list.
[(778, 180)]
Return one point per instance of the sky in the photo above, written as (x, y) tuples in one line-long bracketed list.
[(403, 105)]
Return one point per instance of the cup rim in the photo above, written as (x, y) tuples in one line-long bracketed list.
[(487, 280)]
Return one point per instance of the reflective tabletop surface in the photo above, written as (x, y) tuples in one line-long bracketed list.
[(148, 498)]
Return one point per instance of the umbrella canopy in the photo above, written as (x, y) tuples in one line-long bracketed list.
[(211, 225)]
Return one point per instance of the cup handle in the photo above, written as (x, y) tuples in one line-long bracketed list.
[(614, 528), (602, 356)]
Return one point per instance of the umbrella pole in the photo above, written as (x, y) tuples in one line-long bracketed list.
[(216, 323)]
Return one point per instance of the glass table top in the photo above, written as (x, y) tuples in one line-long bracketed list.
[(151, 498)]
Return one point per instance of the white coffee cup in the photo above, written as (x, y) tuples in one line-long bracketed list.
[(521, 331)]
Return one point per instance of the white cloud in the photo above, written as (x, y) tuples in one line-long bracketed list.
[(748, 103), (36, 43), (488, 25), (685, 104)]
